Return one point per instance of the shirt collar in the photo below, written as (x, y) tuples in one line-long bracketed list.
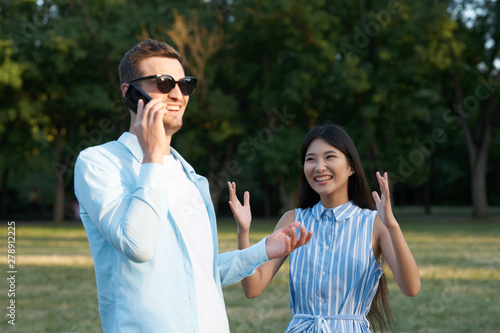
[(339, 213), (131, 143)]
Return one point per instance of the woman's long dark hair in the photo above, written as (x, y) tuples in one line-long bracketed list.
[(359, 193)]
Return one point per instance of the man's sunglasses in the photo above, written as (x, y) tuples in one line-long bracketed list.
[(166, 83)]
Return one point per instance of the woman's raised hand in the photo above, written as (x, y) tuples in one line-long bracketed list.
[(383, 202), (242, 213)]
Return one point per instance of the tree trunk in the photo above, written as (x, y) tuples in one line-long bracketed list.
[(267, 195), (478, 148), (478, 143), (58, 210), (3, 190), (426, 189), (478, 159), (478, 185), (478, 165), (426, 197)]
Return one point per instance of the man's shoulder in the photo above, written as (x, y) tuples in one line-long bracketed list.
[(107, 148), (111, 153)]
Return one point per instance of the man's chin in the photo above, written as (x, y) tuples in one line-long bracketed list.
[(172, 128)]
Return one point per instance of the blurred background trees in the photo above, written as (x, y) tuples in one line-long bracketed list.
[(416, 84)]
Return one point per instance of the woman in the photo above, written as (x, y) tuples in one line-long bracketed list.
[(334, 279)]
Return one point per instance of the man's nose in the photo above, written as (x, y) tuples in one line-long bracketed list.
[(175, 93)]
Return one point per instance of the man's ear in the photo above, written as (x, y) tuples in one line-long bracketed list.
[(124, 88)]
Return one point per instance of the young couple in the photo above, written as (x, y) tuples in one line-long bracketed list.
[(152, 230)]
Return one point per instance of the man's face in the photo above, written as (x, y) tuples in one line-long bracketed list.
[(175, 100)]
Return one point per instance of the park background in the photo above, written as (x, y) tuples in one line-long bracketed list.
[(415, 83)]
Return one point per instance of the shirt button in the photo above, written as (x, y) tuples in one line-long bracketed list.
[(256, 255), (323, 273), (191, 297), (186, 265)]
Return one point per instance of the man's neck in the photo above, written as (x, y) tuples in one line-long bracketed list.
[(168, 139)]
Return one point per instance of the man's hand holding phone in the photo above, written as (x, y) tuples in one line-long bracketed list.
[(148, 125), (150, 130)]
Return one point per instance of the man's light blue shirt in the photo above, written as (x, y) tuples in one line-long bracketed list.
[(144, 275)]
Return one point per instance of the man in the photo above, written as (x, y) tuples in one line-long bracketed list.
[(149, 218)]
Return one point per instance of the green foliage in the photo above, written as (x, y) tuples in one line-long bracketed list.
[(383, 70)]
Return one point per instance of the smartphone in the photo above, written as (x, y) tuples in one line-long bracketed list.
[(133, 95)]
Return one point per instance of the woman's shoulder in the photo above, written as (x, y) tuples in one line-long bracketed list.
[(363, 215), (309, 213), (303, 211), (367, 211), (286, 219), (364, 211), (297, 214), (316, 206)]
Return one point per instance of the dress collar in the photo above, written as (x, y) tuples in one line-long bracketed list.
[(339, 213)]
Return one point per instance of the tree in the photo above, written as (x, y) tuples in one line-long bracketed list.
[(63, 58), (210, 114), (471, 88), (395, 74)]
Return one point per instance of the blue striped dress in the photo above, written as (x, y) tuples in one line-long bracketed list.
[(334, 277)]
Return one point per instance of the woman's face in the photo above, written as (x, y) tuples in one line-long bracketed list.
[(327, 172)]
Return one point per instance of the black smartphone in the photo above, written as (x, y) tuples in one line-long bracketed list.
[(133, 95)]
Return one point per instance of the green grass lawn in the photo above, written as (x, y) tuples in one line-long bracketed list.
[(459, 261)]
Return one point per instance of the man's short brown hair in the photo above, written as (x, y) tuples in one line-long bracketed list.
[(146, 49)]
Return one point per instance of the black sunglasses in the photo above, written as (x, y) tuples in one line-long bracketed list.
[(166, 83)]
